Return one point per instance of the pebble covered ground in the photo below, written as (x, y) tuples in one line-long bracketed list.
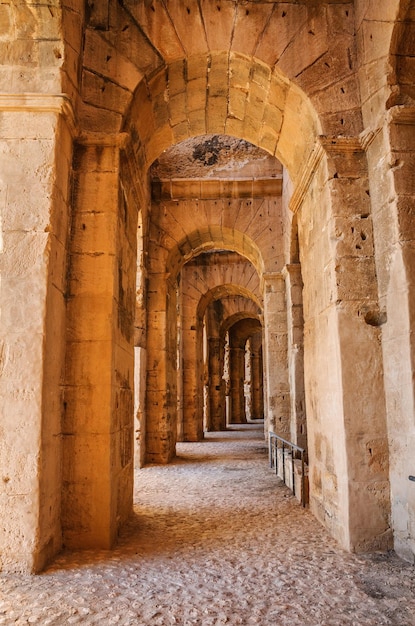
[(216, 538)]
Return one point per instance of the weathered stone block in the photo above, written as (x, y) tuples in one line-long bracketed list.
[(176, 77), (178, 108), (196, 94)]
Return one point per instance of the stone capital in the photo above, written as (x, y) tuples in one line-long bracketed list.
[(306, 176), (272, 281), (291, 269), (270, 277), (401, 114), (105, 140), (334, 145), (59, 104)]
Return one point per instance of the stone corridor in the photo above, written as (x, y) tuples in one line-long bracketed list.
[(216, 539)]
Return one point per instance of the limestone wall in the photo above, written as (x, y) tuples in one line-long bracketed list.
[(36, 125), (326, 87), (343, 362), (388, 115), (98, 428), (36, 156)]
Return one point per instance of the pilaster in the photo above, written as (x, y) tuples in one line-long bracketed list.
[(343, 361), (35, 161), (98, 421), (277, 418), (236, 377), (161, 385), (295, 325)]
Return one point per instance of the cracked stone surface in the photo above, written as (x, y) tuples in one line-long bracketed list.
[(215, 156), (215, 539)]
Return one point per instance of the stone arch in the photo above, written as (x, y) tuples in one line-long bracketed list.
[(136, 40), (214, 238), (243, 329), (127, 107), (226, 291), (258, 104), (314, 172), (197, 316), (234, 318), (235, 308)]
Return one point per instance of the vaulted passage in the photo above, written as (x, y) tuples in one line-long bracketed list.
[(215, 223), (216, 539), (206, 220)]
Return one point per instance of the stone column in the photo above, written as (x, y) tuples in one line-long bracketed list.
[(257, 390), (98, 420), (277, 418), (217, 415), (140, 337), (35, 161), (391, 157), (216, 399), (225, 382), (179, 373), (295, 323), (161, 391), (347, 441), (192, 380), (237, 377)]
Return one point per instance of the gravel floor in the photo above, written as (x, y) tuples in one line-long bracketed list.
[(216, 539)]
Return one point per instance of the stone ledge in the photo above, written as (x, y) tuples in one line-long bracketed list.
[(39, 103), (205, 189)]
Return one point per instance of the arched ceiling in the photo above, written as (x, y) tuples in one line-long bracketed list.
[(265, 72), (245, 300), (241, 317), (213, 239), (222, 94), (243, 329), (215, 156)]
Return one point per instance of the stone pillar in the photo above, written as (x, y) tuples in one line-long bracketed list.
[(225, 383), (347, 441), (140, 337), (179, 364), (98, 419), (35, 160), (277, 392), (192, 380), (391, 157), (357, 312), (217, 414), (237, 377), (161, 391), (257, 390), (216, 399), (295, 323), (399, 334)]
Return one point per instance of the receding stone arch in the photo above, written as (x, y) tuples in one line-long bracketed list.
[(234, 318), (203, 308), (226, 291), (213, 238), (236, 306), (120, 74), (258, 104), (240, 329)]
